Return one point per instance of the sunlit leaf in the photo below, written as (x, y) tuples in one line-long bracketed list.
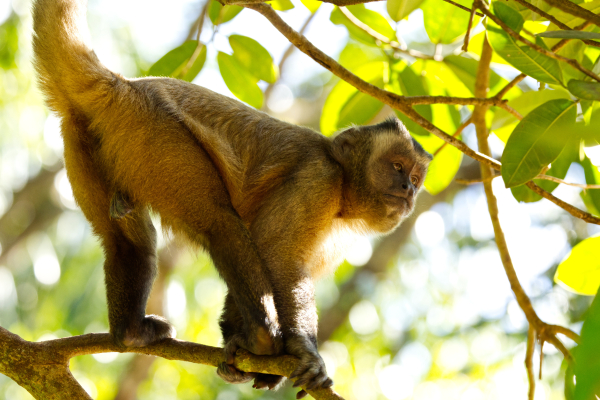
[(239, 81), (370, 18), (281, 5), (521, 56), (254, 57), (465, 69), (558, 169), (220, 14), (345, 105), (584, 90), (445, 22), (537, 141), (592, 177), (196, 66), (312, 5), (400, 9), (504, 122), (174, 60), (571, 20), (580, 271), (570, 35), (356, 54), (407, 83), (587, 363)]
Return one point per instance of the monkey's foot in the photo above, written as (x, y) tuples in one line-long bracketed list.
[(231, 374), (267, 381), (151, 329)]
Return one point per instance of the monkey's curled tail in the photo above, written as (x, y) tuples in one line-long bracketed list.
[(70, 75)]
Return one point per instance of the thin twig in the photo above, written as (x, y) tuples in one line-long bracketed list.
[(459, 130), (462, 7), (510, 85), (529, 361), (574, 63), (473, 181), (378, 36), (465, 46), (574, 211), (558, 180)]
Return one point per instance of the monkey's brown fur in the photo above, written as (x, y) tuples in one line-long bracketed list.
[(266, 199)]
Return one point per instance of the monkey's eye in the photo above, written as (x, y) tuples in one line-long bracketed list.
[(398, 167), (414, 180)]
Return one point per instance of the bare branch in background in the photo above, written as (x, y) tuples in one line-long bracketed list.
[(574, 9)]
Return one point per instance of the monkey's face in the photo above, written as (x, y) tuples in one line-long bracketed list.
[(396, 170)]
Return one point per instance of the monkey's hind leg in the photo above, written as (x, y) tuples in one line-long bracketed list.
[(129, 244)]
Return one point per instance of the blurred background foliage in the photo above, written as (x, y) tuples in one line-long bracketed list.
[(424, 313)]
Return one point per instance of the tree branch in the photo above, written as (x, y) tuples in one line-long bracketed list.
[(43, 367), (545, 332)]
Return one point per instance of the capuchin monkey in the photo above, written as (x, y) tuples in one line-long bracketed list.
[(265, 198)]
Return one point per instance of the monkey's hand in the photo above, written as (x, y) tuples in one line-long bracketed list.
[(262, 344), (311, 371)]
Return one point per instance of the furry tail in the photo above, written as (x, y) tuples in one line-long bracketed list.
[(71, 76)]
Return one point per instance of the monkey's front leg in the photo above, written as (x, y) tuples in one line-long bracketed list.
[(294, 299)]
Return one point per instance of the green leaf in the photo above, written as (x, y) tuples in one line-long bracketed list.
[(465, 69), (584, 90), (521, 56), (400, 9), (371, 18), (592, 177), (174, 60), (537, 141), (254, 57), (504, 122), (312, 5), (569, 35), (587, 363), (239, 81), (196, 66), (356, 54), (445, 22), (406, 82), (281, 5), (558, 169), (580, 271), (220, 14), (346, 105)]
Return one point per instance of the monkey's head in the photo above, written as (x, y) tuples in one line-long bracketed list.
[(384, 168)]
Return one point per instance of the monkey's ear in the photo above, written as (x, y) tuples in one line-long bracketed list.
[(344, 143)]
